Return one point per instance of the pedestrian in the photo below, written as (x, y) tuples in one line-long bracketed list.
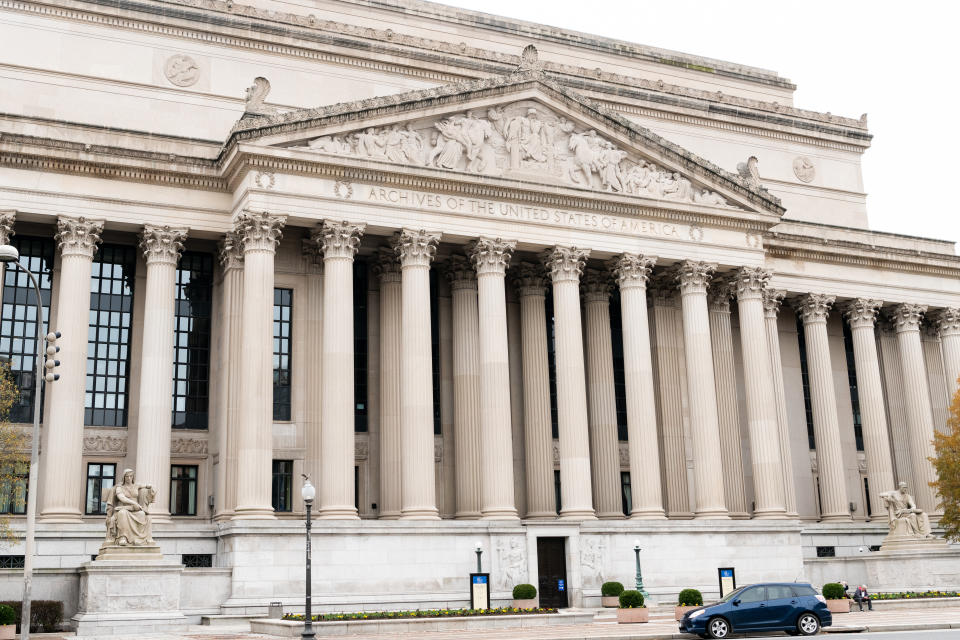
[(861, 595)]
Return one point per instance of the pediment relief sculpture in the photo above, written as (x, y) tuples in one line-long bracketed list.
[(521, 140)]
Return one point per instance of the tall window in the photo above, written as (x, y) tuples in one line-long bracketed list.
[(360, 355), (282, 332), (183, 490), (18, 333), (191, 353), (805, 379), (625, 492), (435, 350), (619, 377), (556, 487), (852, 382), (100, 477), (13, 494), (282, 491), (108, 338), (552, 367)]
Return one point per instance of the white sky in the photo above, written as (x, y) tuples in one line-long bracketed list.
[(897, 62)]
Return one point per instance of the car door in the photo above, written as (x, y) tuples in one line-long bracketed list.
[(780, 606), (749, 609)]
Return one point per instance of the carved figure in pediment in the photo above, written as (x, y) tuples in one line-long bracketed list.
[(586, 160), (331, 144), (370, 143), (705, 196), (608, 165), (412, 144), (446, 151), (678, 188)]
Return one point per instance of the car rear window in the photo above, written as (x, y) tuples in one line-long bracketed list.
[(803, 590), (779, 591)]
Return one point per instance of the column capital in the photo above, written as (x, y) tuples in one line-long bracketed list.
[(530, 279), (230, 251), (162, 244), (908, 316), (312, 253), (721, 290), (338, 239), (460, 273), (694, 276), (771, 302), (387, 265), (78, 236), (632, 269), (565, 264), (948, 321), (862, 312), (813, 307), (491, 255), (259, 230), (751, 281), (663, 289), (415, 247), (596, 286), (8, 218)]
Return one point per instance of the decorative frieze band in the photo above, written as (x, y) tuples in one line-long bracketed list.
[(259, 230), (188, 447), (415, 247), (632, 269), (78, 236), (862, 313), (162, 244), (565, 264), (105, 445), (491, 255)]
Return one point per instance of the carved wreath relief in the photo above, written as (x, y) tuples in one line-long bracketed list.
[(519, 140), (181, 70), (804, 169)]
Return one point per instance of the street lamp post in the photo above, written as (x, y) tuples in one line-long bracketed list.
[(309, 493), (10, 255), (479, 551), (636, 553)]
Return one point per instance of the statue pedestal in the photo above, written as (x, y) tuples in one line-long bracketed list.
[(912, 543), (129, 596)]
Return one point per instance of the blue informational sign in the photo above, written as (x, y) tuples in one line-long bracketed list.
[(561, 585), (479, 579), (726, 573)]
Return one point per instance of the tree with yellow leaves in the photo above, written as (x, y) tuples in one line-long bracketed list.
[(14, 459), (947, 463)]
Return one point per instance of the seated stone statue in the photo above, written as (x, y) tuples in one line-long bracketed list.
[(128, 521), (906, 520)]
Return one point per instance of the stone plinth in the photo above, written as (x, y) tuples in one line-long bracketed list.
[(894, 543), (145, 553), (127, 596)]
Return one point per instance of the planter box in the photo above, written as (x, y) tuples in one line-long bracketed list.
[(678, 612), (8, 631), (839, 606), (530, 603), (627, 616), (610, 601)]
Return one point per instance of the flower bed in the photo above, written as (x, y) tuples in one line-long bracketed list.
[(419, 613), (904, 595)]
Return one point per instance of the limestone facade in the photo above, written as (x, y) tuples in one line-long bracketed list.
[(518, 298)]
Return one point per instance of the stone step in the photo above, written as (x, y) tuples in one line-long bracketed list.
[(222, 620)]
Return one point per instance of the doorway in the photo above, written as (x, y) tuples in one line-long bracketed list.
[(552, 568)]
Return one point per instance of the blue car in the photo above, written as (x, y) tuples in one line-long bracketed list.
[(782, 606)]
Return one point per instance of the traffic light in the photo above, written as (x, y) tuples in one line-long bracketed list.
[(51, 363)]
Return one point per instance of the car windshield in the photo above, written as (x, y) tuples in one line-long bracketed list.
[(733, 594)]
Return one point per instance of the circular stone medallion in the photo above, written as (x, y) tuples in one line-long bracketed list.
[(804, 169), (181, 70)]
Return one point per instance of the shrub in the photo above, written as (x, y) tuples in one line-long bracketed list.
[(608, 589), (833, 591), (524, 592), (45, 615), (631, 599), (7, 615), (690, 598)]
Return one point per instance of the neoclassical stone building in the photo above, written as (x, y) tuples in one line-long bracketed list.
[(482, 280)]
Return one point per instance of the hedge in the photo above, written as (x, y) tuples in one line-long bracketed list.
[(833, 591), (690, 598), (419, 613), (631, 600), (524, 592), (7, 615), (45, 615), (611, 589)]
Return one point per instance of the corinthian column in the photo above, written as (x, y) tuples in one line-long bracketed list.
[(259, 232), (565, 264), (387, 269), (765, 448), (704, 423), (418, 496), (862, 314), (601, 396), (724, 373), (491, 257), (948, 322), (161, 247), (632, 272), (771, 306), (814, 309), (907, 318), (339, 242), (62, 471), (466, 385), (532, 288)]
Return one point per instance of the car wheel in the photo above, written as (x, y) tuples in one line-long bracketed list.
[(718, 628), (808, 624)]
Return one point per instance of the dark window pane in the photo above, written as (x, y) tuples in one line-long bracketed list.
[(191, 358), (13, 494), (282, 326), (435, 350), (99, 478), (852, 381), (805, 379), (183, 490), (283, 485), (619, 377), (360, 356)]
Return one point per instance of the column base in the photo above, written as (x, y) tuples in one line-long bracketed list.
[(541, 515), (467, 515), (614, 515), (253, 513), (739, 515), (577, 514), (336, 513), (713, 514), (64, 516), (391, 515), (506, 514), (836, 517), (654, 514), (420, 514), (772, 514)]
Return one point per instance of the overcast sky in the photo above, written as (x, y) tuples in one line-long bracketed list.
[(897, 62)]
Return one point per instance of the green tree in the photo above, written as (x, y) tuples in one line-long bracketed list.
[(14, 457), (946, 461)]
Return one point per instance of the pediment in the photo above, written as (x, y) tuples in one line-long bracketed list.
[(532, 130)]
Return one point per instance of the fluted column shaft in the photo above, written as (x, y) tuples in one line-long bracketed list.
[(388, 270), (259, 233), (948, 322), (310, 302), (531, 286), (491, 257), (862, 314), (771, 306), (601, 396), (228, 398), (339, 242), (632, 272), (161, 247), (418, 499), (61, 470), (814, 309), (565, 264), (762, 422), (724, 373), (908, 318), (704, 422), (466, 386)]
